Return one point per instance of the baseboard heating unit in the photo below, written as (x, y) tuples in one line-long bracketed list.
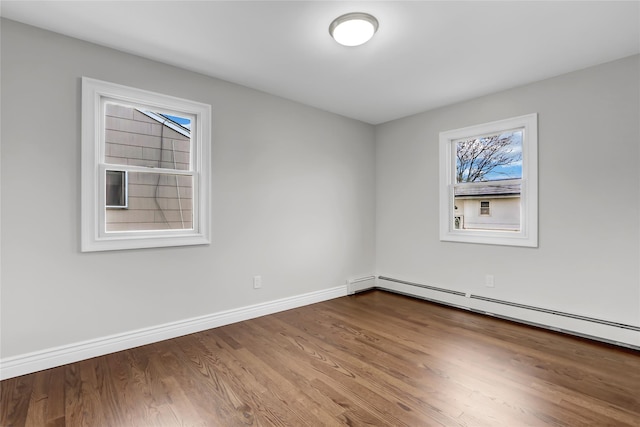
[(463, 300), (360, 284)]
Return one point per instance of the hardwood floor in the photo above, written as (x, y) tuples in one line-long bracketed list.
[(372, 359)]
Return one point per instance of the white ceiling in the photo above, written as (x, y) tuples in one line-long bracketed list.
[(426, 54)]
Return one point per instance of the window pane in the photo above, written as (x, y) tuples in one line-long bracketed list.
[(146, 138), (156, 202), (493, 206), (116, 194), (489, 158), (484, 208)]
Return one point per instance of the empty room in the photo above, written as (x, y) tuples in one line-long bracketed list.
[(320, 213)]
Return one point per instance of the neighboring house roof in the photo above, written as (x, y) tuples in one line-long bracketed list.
[(494, 190), (167, 122)]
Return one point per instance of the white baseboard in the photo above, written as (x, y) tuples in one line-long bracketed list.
[(49, 358)]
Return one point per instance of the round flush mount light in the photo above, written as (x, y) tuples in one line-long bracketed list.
[(353, 29)]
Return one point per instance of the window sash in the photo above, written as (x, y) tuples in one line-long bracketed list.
[(503, 233), (455, 142), (124, 196), (195, 144), (195, 204), (485, 208)]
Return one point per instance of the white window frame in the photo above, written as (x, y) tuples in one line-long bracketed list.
[(528, 234), (125, 185), (488, 208), (95, 94)]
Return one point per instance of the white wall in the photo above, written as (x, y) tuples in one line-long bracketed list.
[(305, 199), (293, 201), (589, 205)]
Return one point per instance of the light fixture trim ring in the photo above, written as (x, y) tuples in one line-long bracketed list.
[(352, 16)]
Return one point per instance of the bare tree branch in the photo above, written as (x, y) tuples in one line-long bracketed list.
[(476, 158)]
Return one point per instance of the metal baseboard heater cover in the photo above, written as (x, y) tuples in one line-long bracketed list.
[(518, 305), (352, 282)]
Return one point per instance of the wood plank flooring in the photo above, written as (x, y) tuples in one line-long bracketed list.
[(374, 359)]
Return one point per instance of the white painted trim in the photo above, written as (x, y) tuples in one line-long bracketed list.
[(95, 95), (528, 234), (49, 358)]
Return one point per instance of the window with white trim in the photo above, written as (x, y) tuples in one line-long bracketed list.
[(145, 168), (488, 183), (117, 189), (485, 207)]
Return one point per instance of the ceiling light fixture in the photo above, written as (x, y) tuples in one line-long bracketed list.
[(353, 29)]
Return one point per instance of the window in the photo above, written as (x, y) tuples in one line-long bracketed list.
[(116, 190), (485, 208), (145, 169), (488, 183)]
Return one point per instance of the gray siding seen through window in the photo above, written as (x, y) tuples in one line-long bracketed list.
[(156, 201)]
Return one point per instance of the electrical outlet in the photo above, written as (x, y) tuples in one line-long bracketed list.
[(257, 282), (488, 280)]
